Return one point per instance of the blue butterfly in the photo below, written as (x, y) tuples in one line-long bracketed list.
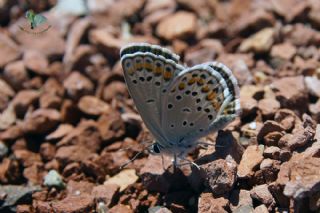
[(179, 105)]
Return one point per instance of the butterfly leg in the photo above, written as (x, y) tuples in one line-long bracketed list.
[(174, 162), (189, 162)]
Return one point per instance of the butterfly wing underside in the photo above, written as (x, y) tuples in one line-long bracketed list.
[(148, 70), (201, 99)]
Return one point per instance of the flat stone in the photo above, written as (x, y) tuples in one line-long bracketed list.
[(221, 176), (292, 93), (123, 179), (313, 85), (251, 158), (74, 204), (268, 107), (260, 42), (262, 194), (106, 193), (177, 26), (92, 105), (284, 51), (208, 203)]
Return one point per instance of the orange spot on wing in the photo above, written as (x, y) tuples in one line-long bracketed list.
[(211, 95)]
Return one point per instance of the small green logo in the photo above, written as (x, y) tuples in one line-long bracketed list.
[(34, 21)]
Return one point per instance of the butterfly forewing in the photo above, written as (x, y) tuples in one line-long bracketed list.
[(148, 70)]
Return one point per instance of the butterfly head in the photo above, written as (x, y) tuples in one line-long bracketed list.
[(155, 148)]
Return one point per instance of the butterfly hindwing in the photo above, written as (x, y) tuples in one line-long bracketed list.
[(195, 103), (148, 70)]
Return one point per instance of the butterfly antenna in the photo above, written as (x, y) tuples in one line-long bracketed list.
[(134, 157)]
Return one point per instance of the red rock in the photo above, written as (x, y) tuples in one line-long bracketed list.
[(47, 151), (153, 6), (76, 188), (54, 87), (261, 209), (115, 89), (76, 33), (67, 154), (108, 44), (240, 198), (272, 138), (268, 127), (69, 112), (221, 176), (9, 50), (252, 21), (152, 174), (268, 107), (93, 106), (7, 118), (6, 90), (272, 152), (313, 85), (34, 173), (177, 26), (263, 195), (86, 134), (27, 157), (202, 8), (105, 193), (71, 169), (251, 158), (203, 52), (23, 100), (9, 171), (111, 126), (49, 100), (286, 118), (300, 137), (60, 132), (41, 121), (292, 93), (300, 177), (249, 106), (289, 9), (73, 204), (284, 51), (270, 169), (23, 208), (251, 130), (120, 209), (260, 42), (36, 62), (77, 85), (301, 35), (252, 91), (208, 203)]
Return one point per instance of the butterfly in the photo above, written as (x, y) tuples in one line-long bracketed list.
[(35, 20), (178, 104)]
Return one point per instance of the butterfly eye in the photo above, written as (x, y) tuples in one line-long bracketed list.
[(155, 149)]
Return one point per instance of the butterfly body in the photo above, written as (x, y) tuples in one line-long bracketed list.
[(179, 105)]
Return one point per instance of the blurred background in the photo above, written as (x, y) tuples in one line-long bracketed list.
[(67, 122)]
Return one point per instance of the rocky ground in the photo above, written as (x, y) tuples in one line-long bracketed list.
[(67, 122)]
